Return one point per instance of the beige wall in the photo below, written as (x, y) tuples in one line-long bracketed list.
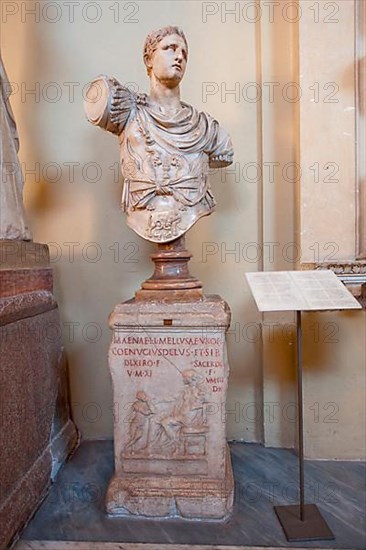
[(334, 343), (328, 134), (225, 54)]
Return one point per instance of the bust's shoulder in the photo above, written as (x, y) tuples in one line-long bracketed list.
[(108, 103)]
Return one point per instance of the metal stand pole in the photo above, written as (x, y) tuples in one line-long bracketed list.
[(300, 420), (302, 522)]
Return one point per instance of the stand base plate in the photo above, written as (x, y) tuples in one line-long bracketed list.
[(313, 527)]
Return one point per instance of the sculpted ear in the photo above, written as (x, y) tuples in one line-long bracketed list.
[(147, 61)]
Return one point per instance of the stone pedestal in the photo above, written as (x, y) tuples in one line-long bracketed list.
[(36, 431), (170, 372), (171, 280)]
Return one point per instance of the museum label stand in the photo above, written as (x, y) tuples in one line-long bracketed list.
[(300, 291)]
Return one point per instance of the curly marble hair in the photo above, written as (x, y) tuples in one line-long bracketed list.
[(153, 39)]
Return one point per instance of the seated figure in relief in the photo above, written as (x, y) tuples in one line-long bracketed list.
[(167, 146)]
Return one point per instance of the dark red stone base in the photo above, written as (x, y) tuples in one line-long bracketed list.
[(35, 427)]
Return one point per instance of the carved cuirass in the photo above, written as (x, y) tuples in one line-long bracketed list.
[(164, 159)]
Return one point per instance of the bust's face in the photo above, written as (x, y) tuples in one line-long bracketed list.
[(169, 60)]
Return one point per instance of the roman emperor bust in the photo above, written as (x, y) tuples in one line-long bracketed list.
[(167, 146)]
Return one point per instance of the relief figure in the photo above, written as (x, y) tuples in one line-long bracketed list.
[(139, 423), (173, 427)]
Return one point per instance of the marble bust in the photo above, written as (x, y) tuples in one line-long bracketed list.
[(167, 146)]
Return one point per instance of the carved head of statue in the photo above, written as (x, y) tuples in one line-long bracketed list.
[(165, 55)]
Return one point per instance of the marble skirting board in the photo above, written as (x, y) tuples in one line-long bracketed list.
[(55, 545)]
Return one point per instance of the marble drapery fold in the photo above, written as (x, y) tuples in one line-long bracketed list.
[(12, 215)]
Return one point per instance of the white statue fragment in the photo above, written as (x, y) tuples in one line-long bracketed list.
[(12, 215)]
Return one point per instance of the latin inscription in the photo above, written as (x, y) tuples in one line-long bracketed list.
[(142, 355)]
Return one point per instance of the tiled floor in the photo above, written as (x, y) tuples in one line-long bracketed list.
[(74, 508)]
